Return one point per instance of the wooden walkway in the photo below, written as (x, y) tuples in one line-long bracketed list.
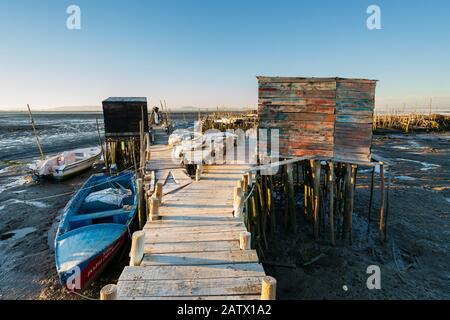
[(193, 252)]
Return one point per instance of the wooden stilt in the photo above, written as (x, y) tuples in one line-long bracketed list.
[(141, 203), (291, 196), (369, 214), (387, 203), (316, 168), (331, 199), (382, 195), (348, 202)]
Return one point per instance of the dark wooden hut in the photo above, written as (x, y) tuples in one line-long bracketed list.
[(329, 118), (122, 116)]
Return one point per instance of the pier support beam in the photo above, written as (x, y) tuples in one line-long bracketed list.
[(269, 288), (137, 248), (108, 292)]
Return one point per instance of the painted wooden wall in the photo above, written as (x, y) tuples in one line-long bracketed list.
[(325, 117)]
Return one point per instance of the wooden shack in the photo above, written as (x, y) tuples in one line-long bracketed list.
[(123, 132), (122, 116), (329, 118)]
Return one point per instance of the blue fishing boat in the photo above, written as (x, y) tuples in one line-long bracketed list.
[(94, 227)]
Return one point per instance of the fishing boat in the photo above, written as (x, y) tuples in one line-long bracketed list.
[(66, 164), (95, 226)]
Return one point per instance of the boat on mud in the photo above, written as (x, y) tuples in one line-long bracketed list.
[(95, 226), (66, 164)]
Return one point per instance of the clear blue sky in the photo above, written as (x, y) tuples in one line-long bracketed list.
[(207, 53)]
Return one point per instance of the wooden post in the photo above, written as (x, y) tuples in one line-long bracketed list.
[(108, 292), (198, 172), (238, 202), (291, 195), (250, 179), (348, 202), (245, 240), (317, 167), (269, 288), (245, 178), (159, 191), (137, 248), (36, 135), (141, 203), (331, 195), (147, 147), (154, 209), (382, 202), (387, 202), (369, 214)]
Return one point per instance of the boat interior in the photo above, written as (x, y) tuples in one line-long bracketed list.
[(98, 212)]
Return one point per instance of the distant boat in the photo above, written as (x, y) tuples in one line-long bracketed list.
[(94, 227), (66, 164)]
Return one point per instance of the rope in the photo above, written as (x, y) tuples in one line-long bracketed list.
[(83, 296), (250, 193)]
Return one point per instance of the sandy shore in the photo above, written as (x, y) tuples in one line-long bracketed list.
[(414, 264)]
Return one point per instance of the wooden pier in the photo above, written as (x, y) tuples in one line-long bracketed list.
[(194, 248)]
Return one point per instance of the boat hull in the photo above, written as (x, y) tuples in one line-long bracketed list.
[(90, 269)]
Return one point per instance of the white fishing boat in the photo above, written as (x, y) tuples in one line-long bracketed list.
[(66, 164)]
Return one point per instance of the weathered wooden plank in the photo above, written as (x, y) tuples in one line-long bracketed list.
[(199, 258), (152, 237), (191, 287), (235, 226), (191, 246), (191, 272)]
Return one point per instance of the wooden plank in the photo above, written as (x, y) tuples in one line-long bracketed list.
[(191, 287), (190, 272), (199, 258), (236, 226), (152, 237), (191, 246)]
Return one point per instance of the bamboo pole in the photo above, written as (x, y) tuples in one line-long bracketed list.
[(36, 134)]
